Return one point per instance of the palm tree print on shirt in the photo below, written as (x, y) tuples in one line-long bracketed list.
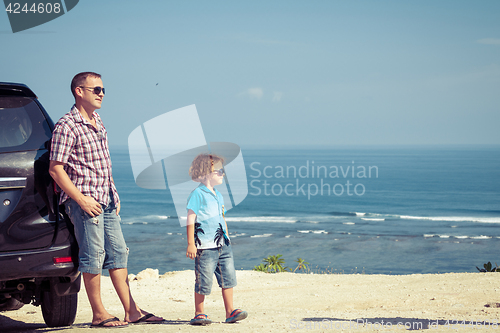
[(220, 237), (197, 229)]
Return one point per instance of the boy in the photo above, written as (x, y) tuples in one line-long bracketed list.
[(208, 241)]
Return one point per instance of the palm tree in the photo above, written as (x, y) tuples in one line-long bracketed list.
[(197, 229), (220, 237), (261, 268), (301, 264), (276, 264)]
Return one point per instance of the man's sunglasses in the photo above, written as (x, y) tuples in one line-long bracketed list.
[(220, 172), (96, 90)]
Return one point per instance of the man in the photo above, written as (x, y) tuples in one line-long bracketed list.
[(81, 165)]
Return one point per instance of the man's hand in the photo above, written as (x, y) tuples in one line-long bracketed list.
[(88, 204), (118, 207)]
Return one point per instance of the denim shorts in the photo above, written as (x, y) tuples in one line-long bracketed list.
[(99, 238), (218, 261)]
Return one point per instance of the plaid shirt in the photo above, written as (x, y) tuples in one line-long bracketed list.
[(85, 152)]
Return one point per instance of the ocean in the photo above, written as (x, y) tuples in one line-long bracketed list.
[(372, 210)]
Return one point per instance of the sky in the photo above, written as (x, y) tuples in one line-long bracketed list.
[(276, 72)]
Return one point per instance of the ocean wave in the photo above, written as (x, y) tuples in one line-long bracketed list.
[(453, 218), (279, 219), (146, 219), (313, 231), (383, 217), (374, 215), (318, 218), (458, 237), (260, 236), (341, 214), (481, 237)]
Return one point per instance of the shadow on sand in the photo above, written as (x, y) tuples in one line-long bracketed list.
[(9, 325), (380, 323)]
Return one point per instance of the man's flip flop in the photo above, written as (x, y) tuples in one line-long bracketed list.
[(239, 316), (200, 319), (103, 323), (144, 320)]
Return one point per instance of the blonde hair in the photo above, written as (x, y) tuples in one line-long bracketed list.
[(203, 165)]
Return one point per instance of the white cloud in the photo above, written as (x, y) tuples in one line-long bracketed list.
[(277, 96), (254, 93), (489, 41)]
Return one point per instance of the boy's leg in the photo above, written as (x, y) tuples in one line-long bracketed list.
[(227, 296), (204, 267), (226, 277), (199, 302)]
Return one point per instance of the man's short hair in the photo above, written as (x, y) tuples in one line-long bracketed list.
[(80, 79), (203, 165)]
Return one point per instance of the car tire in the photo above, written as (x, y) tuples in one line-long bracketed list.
[(59, 310)]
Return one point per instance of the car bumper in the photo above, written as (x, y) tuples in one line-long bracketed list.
[(37, 264)]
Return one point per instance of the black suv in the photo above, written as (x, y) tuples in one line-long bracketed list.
[(38, 252)]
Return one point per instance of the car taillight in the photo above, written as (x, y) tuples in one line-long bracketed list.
[(62, 260)]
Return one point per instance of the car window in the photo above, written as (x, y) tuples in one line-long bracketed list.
[(15, 127), (22, 124)]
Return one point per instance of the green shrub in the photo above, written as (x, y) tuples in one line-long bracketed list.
[(489, 268)]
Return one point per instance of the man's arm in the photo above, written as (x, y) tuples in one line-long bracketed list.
[(87, 203), (118, 206)]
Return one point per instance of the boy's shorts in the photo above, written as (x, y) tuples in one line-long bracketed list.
[(100, 239), (218, 261)]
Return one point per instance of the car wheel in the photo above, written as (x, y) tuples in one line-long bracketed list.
[(58, 310), (10, 304)]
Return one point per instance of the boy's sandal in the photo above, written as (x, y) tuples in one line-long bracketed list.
[(200, 319), (235, 317)]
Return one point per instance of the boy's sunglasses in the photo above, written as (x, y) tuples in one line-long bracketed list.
[(96, 90), (220, 172)]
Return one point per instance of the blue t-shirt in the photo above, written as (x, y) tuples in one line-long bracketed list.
[(210, 227)]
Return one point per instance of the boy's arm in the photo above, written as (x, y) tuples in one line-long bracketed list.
[(191, 249)]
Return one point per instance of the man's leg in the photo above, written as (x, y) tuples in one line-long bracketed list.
[(93, 288), (119, 276), (116, 261), (89, 235)]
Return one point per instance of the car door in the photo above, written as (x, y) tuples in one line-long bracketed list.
[(26, 200)]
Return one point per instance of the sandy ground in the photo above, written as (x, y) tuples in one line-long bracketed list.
[(301, 302)]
